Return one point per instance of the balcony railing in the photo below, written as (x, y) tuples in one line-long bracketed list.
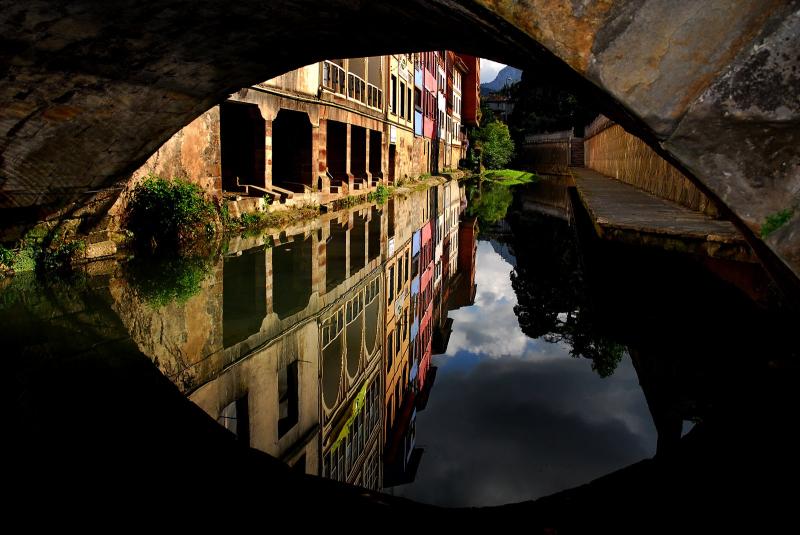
[(356, 88), (333, 77), (337, 80), (374, 97)]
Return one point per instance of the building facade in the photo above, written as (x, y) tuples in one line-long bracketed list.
[(333, 128)]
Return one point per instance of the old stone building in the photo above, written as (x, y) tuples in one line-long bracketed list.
[(329, 129)]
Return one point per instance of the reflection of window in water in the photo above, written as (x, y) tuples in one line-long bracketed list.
[(244, 302), (336, 256), (374, 245), (389, 351), (340, 462), (291, 277), (235, 419), (287, 398), (358, 243)]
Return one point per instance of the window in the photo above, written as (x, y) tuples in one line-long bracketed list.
[(394, 94), (389, 348), (234, 418), (390, 284), (287, 398), (402, 100), (399, 275), (418, 99), (408, 98)]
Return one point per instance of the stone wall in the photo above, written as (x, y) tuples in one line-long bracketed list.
[(612, 151), (192, 154), (404, 141), (422, 157)]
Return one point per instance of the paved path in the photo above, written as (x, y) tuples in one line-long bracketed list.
[(620, 211)]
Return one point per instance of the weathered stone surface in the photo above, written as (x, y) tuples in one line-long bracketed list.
[(100, 250), (89, 90)]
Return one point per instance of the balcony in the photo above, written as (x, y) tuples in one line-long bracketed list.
[(333, 77), (350, 85)]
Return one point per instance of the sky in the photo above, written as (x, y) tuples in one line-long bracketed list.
[(489, 70), (511, 418)]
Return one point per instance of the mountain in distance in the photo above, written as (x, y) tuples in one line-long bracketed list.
[(501, 80)]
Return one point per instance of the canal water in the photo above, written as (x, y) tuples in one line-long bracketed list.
[(467, 345)]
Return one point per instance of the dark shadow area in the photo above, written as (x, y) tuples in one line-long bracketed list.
[(375, 154), (242, 134), (336, 147), (291, 150), (358, 151)]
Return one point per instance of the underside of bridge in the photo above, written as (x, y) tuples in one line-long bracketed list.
[(90, 89)]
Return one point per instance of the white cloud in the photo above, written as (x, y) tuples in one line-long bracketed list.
[(490, 328), (489, 70)]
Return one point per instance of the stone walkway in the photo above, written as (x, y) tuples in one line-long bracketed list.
[(620, 211)]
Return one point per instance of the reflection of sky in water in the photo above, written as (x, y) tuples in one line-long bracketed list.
[(511, 418)]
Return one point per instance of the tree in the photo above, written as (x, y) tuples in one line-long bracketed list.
[(496, 145), (491, 205)]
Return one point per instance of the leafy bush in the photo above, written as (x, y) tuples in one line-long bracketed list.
[(497, 147), (41, 250), (59, 255), (168, 213), (6, 256), (380, 195)]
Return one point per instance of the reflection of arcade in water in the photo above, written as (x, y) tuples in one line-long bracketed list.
[(320, 340)]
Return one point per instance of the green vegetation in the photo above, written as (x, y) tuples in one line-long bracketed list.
[(776, 221), (347, 202), (491, 204), (160, 281), (41, 250), (59, 254), (252, 220), (496, 146), (170, 214), (380, 195), (7, 257), (510, 177)]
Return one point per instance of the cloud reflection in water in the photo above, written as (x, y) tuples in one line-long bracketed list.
[(512, 418)]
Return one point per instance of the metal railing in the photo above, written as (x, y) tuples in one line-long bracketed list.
[(333, 77)]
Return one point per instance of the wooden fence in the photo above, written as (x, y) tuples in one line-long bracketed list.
[(610, 150)]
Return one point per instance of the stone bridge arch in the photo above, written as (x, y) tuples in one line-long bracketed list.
[(89, 89)]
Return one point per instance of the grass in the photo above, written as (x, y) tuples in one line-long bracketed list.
[(776, 221), (510, 177)]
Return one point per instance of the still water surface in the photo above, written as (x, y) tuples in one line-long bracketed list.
[(458, 346)]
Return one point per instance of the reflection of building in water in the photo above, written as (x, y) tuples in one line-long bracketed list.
[(433, 250), (319, 340), (464, 287)]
